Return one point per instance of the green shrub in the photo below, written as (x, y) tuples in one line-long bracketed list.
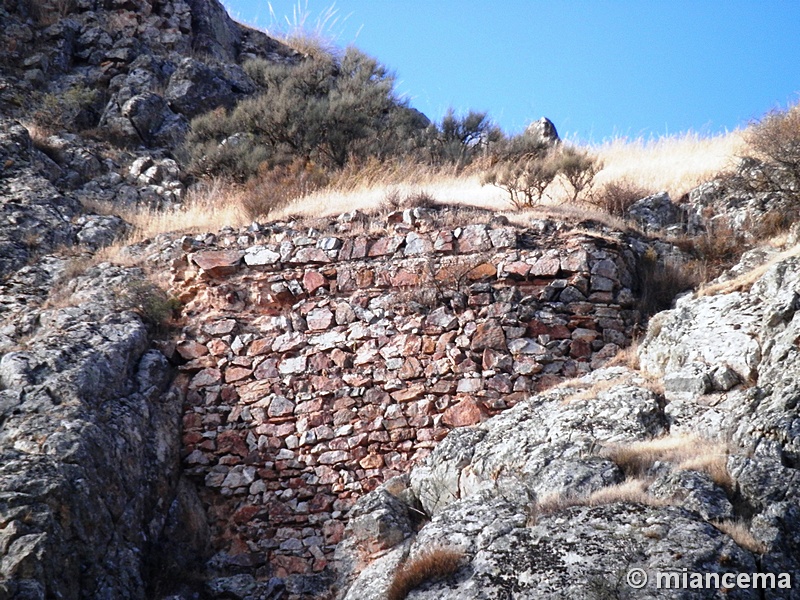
[(149, 301), (72, 110), (324, 110), (661, 280), (459, 139)]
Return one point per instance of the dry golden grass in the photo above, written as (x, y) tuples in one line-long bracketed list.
[(674, 164), (632, 490), (746, 280), (684, 452), (431, 565), (626, 357), (206, 208), (629, 491), (739, 532)]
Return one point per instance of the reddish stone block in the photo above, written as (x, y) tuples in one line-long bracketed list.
[(364, 278), (385, 246), (205, 378), (411, 369), (217, 263), (232, 442), (246, 513), (482, 271), (465, 413), (313, 280), (520, 269), (236, 374), (189, 349), (404, 278), (489, 334), (218, 347), (412, 392), (580, 349), (267, 369), (333, 531), (546, 266), (359, 248), (373, 461), (290, 565)]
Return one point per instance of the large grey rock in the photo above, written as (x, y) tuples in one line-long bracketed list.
[(655, 212), (196, 87), (153, 121), (544, 129)]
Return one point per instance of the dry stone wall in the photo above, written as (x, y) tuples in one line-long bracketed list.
[(317, 366)]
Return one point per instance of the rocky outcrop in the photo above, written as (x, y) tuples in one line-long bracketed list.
[(89, 457), (545, 130), (40, 218), (141, 70), (564, 494)]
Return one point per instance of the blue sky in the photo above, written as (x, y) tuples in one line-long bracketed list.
[(598, 69)]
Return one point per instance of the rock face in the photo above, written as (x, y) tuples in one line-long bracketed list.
[(88, 454), (562, 495), (140, 55), (323, 364)]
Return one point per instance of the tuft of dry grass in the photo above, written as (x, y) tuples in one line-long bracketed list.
[(206, 208), (629, 491), (744, 281), (740, 533), (632, 490), (626, 357), (306, 35), (434, 564), (684, 452)]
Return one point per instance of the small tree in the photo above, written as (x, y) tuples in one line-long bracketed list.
[(524, 166), (458, 140), (579, 168), (525, 178), (776, 141)]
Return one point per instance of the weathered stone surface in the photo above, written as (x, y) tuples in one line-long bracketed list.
[(260, 255), (88, 454), (489, 335), (655, 212), (218, 262)]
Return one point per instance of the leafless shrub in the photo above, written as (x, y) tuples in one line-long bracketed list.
[(274, 188), (659, 281), (579, 168), (775, 140), (616, 197)]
